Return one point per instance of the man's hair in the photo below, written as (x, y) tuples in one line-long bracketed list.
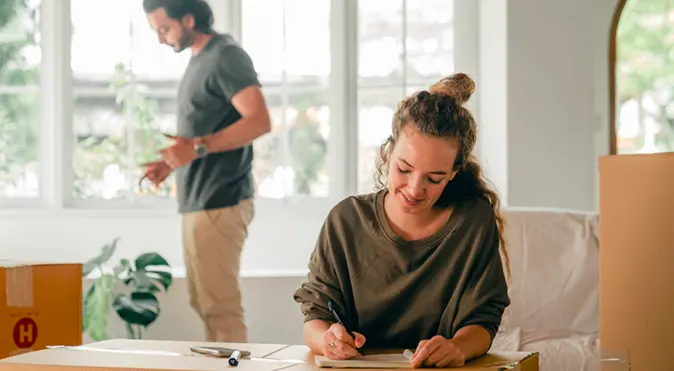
[(177, 9)]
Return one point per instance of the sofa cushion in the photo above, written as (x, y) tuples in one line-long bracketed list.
[(554, 261)]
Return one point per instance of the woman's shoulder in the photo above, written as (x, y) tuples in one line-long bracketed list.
[(479, 212)]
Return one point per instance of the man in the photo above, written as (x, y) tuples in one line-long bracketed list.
[(221, 110)]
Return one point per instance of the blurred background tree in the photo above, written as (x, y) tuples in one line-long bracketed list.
[(307, 150), (645, 76), (19, 111)]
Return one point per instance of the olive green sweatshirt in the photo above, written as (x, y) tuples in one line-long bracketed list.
[(397, 292)]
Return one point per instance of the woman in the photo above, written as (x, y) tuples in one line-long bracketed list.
[(416, 264)]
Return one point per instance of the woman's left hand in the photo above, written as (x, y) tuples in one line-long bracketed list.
[(438, 352)]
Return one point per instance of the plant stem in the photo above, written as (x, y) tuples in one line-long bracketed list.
[(129, 331)]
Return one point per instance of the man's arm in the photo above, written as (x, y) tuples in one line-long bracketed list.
[(254, 122)]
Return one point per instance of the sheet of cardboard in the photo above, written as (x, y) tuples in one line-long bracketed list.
[(512, 361), (183, 347), (636, 262), (40, 305), (136, 355)]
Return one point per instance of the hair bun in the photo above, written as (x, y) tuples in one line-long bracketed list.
[(458, 86)]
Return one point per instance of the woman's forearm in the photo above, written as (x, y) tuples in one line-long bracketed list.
[(472, 340), (313, 335)]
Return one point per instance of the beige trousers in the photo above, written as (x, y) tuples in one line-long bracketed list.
[(212, 245)]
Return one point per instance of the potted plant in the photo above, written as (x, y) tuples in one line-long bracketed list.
[(128, 288)]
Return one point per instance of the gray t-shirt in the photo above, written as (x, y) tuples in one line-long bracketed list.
[(212, 78)]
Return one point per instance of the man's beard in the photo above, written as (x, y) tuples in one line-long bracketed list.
[(186, 40)]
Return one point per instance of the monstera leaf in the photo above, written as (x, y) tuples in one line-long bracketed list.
[(139, 308), (149, 275)]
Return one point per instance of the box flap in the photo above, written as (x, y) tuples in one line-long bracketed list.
[(139, 355), (13, 263)]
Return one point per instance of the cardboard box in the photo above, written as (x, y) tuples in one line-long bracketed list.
[(40, 305), (136, 355), (636, 251)]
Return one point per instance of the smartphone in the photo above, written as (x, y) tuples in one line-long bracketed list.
[(218, 351)]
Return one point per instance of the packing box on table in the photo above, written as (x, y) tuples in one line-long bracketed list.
[(636, 251), (40, 305)]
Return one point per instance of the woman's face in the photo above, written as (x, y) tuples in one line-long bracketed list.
[(419, 168)]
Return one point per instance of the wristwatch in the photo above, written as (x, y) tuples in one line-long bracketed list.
[(200, 149)]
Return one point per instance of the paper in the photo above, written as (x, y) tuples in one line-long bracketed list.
[(396, 360)]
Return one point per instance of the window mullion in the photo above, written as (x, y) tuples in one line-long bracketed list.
[(284, 154), (404, 47), (56, 86), (343, 138), (227, 17)]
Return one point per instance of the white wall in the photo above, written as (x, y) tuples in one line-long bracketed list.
[(554, 70), (266, 300), (279, 240), (553, 122)]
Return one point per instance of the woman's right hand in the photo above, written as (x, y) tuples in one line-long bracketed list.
[(338, 344)]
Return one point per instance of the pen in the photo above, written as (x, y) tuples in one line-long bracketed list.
[(234, 358), (333, 309)]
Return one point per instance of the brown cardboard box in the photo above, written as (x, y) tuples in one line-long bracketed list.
[(137, 355), (636, 250), (40, 305)]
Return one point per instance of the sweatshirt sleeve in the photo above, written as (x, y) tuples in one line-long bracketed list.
[(486, 294), (322, 282)]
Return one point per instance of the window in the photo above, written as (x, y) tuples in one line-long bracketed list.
[(20, 61), (331, 89), (124, 98), (644, 86), (404, 46), (291, 52)]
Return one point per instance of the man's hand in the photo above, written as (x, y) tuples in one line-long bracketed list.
[(180, 153), (438, 352), (156, 172)]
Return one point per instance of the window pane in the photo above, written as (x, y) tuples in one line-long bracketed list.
[(644, 83), (299, 140), (292, 56), (20, 52), (262, 37), (281, 38), (19, 145), (430, 40), (109, 145), (118, 63), (108, 32), (376, 108), (380, 27)]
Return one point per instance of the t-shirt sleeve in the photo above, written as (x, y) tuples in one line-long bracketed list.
[(322, 284), (485, 298), (235, 72)]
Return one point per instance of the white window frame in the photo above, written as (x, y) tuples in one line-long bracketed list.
[(56, 91)]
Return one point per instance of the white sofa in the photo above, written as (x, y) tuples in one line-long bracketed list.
[(554, 259)]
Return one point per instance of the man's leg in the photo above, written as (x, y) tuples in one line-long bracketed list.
[(214, 242), (188, 221)]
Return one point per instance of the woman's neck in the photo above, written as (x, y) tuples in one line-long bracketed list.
[(413, 226)]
